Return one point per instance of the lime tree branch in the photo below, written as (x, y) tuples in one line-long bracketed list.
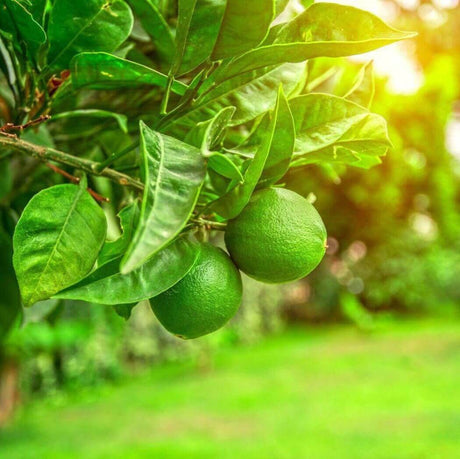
[(50, 154)]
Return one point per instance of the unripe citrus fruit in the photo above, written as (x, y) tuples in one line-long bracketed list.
[(204, 300), (278, 237)]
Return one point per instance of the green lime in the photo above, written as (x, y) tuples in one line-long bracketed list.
[(278, 237), (204, 300)]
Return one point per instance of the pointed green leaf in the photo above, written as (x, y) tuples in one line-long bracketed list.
[(7, 67), (363, 89), (121, 120), (209, 134), (324, 122), (280, 6), (197, 30), (105, 71), (232, 203), (112, 250), (279, 158), (282, 147), (17, 21), (36, 8), (224, 166), (324, 29), (92, 25), (124, 310), (235, 37), (106, 285), (252, 94), (173, 174), (56, 241), (156, 26)]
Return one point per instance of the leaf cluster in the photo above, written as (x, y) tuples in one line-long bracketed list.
[(186, 107)]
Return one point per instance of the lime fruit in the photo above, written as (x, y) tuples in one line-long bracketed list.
[(278, 237), (204, 300)]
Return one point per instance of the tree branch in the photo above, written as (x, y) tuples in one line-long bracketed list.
[(85, 165)]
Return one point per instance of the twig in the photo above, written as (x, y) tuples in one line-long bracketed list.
[(50, 154), (65, 174), (98, 197), (21, 127), (209, 224)]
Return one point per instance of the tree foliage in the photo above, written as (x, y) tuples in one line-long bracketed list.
[(183, 130)]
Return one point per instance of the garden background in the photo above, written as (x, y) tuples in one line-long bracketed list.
[(358, 360)]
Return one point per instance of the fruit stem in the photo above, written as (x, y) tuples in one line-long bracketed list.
[(210, 224)]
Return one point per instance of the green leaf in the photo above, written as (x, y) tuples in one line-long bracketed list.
[(324, 29), (363, 89), (235, 37), (124, 310), (106, 285), (232, 203), (224, 166), (7, 67), (282, 147), (173, 173), (10, 300), (56, 241), (197, 30), (209, 134), (330, 128), (105, 71), (156, 26), (92, 25), (112, 250), (343, 155), (36, 8), (252, 94), (280, 6), (17, 21), (121, 120)]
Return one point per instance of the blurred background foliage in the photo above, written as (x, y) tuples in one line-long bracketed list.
[(393, 249)]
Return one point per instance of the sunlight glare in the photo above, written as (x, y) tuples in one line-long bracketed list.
[(394, 61)]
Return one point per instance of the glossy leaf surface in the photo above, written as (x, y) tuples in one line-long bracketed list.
[(56, 241), (224, 166), (173, 173), (232, 203), (106, 285), (21, 25), (156, 26), (112, 250), (324, 29), (236, 36), (121, 120), (330, 128), (208, 135), (93, 25), (198, 26), (251, 94), (106, 71)]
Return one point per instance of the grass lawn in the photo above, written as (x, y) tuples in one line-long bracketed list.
[(322, 393)]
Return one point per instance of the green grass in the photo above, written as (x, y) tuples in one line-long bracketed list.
[(330, 393)]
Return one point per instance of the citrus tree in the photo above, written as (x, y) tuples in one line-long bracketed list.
[(181, 117)]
